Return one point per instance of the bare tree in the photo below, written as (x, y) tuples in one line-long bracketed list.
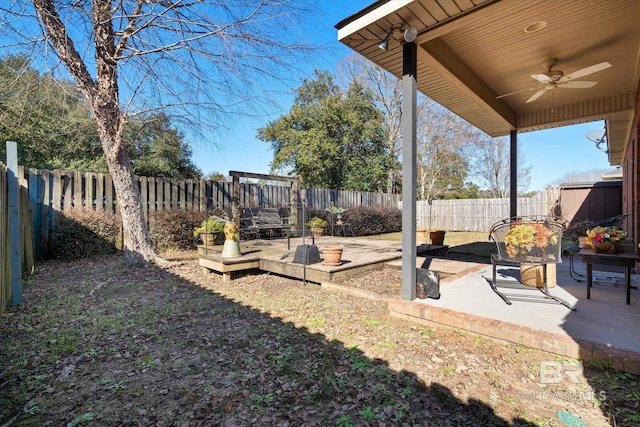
[(442, 141), (192, 60), (590, 175), (492, 165)]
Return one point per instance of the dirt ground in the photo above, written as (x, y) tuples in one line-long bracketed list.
[(101, 343)]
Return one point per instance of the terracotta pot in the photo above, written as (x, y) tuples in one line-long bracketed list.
[(421, 236), (317, 231), (210, 239), (332, 254), (437, 237)]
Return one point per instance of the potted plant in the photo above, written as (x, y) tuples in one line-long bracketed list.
[(337, 211), (317, 225), (605, 240), (210, 230)]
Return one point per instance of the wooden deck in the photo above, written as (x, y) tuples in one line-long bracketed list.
[(276, 256)]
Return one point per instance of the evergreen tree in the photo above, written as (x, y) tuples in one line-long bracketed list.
[(331, 139)]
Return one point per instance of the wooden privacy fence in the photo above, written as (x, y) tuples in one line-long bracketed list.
[(5, 272), (321, 199), (27, 255), (51, 192), (480, 214)]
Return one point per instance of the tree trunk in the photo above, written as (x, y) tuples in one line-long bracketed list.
[(390, 181), (137, 244), (106, 108), (102, 97)]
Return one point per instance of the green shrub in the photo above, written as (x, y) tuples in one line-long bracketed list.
[(81, 233), (173, 229), (392, 219), (366, 220)]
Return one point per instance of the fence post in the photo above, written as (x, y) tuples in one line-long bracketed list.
[(13, 196), (35, 204)]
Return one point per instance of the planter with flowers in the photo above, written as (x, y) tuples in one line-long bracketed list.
[(336, 212), (210, 231), (317, 225), (605, 240)]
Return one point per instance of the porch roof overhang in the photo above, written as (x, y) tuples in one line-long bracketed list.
[(472, 51)]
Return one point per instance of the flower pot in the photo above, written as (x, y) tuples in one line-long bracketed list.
[(231, 249), (211, 239), (421, 236), (317, 231), (607, 247), (437, 237), (582, 241), (332, 254)]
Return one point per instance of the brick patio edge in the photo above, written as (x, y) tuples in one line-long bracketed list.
[(584, 350)]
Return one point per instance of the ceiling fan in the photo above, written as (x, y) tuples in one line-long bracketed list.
[(553, 79)]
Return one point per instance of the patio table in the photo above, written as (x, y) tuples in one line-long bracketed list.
[(626, 259)]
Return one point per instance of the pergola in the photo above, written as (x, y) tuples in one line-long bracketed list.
[(467, 54)]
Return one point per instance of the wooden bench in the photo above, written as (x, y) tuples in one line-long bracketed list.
[(264, 220)]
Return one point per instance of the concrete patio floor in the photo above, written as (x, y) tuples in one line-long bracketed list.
[(603, 327)]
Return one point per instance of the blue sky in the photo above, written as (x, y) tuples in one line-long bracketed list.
[(551, 153)]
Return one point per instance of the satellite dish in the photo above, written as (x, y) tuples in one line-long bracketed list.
[(598, 136)]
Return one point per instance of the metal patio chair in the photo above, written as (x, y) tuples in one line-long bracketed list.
[(531, 240)]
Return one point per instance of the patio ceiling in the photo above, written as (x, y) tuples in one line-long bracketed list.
[(471, 51)]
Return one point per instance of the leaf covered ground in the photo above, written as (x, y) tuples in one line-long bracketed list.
[(101, 343)]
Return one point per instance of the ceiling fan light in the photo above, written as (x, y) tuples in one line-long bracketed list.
[(384, 45), (555, 74)]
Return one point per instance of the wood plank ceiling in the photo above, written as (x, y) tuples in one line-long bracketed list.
[(472, 51)]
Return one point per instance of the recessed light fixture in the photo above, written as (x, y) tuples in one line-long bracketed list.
[(535, 26)]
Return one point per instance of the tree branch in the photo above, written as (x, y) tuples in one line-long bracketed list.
[(57, 33)]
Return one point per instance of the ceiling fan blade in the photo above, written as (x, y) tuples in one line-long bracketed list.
[(586, 71), (541, 78), (518, 91), (536, 95), (579, 84)]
